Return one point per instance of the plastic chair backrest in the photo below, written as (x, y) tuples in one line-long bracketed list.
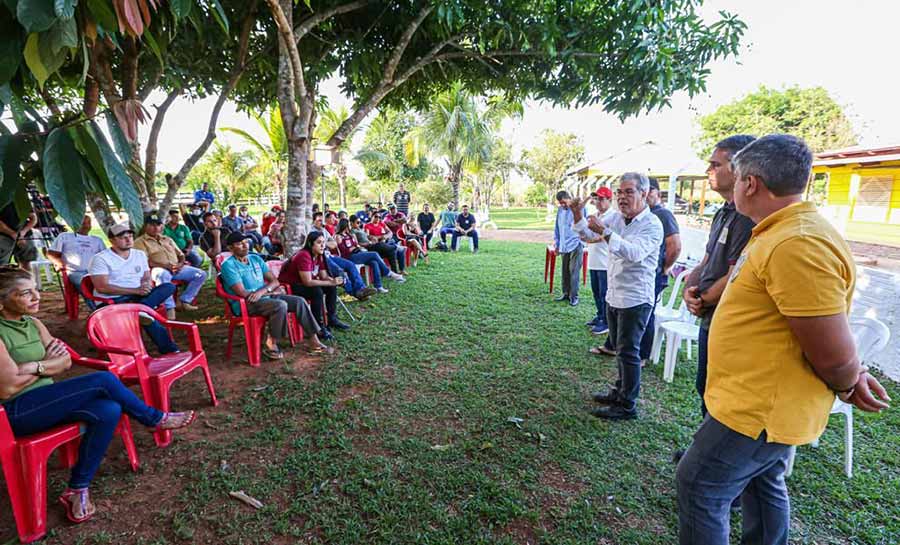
[(119, 326), (870, 335), (221, 259), (676, 288), (275, 267)]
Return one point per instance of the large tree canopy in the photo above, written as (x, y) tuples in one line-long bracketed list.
[(810, 114)]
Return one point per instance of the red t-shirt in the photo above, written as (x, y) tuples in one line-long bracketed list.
[(302, 261), (347, 246), (268, 219), (330, 229), (376, 230)]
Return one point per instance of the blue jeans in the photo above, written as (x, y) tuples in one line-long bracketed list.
[(647, 339), (193, 276), (154, 329), (96, 399), (374, 262), (455, 239), (353, 282), (446, 231), (721, 465), (702, 351), (192, 257), (75, 278), (598, 287), (626, 327)]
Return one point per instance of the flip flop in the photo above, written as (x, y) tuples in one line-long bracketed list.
[(273, 355), (598, 350), (66, 500), (320, 350), (165, 425)]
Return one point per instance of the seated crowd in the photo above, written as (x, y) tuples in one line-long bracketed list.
[(162, 267)]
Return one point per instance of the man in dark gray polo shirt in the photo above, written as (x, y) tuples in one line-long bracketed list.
[(729, 234)]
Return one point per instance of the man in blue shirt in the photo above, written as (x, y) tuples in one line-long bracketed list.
[(448, 223), (247, 276), (203, 197), (364, 215), (567, 243), (465, 227)]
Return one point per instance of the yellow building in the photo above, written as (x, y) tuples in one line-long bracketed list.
[(863, 192)]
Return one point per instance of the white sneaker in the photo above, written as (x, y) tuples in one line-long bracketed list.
[(397, 278), (382, 290)]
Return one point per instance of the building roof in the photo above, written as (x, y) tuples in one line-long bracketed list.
[(856, 155), (649, 157)]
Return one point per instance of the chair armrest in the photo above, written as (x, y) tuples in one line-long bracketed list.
[(93, 363), (193, 334), (115, 350)]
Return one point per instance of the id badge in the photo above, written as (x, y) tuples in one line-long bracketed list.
[(723, 236)]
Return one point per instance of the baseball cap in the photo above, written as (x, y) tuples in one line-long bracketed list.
[(392, 205), (234, 237), (120, 229), (654, 184), (604, 193), (153, 217)]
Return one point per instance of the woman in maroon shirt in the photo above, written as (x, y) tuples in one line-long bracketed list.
[(308, 276), (351, 250)]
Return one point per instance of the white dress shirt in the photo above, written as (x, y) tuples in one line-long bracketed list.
[(633, 256), (598, 252)]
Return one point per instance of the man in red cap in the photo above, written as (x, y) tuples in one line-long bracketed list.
[(598, 257)]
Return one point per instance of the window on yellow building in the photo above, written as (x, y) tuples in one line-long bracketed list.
[(874, 199)]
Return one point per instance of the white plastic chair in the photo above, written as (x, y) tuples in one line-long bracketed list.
[(870, 336), (677, 331), (666, 312)]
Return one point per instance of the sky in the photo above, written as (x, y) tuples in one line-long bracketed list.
[(847, 48)]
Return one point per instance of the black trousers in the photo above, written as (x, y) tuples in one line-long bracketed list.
[(320, 298)]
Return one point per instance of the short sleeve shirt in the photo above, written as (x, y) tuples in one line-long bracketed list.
[(77, 250), (426, 221), (795, 265), (670, 227), (347, 245), (465, 221), (121, 272), (361, 236), (401, 199), (302, 261), (207, 240), (728, 235), (363, 216), (448, 218), (235, 224), (376, 230), (251, 275), (162, 251), (180, 234)]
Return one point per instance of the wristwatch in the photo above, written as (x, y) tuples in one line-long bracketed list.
[(40, 368), (607, 232), (268, 289)]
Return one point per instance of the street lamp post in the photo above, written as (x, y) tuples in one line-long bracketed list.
[(323, 156)]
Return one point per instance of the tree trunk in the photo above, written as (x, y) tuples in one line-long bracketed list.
[(100, 207), (342, 184), (454, 178)]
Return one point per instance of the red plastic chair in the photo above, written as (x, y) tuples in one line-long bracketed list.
[(550, 266), (221, 259), (253, 325), (24, 462), (116, 330), (70, 296), (87, 289)]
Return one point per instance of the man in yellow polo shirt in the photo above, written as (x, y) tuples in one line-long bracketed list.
[(167, 264), (780, 349)]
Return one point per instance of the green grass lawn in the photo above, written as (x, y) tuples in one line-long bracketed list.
[(521, 218), (456, 412)]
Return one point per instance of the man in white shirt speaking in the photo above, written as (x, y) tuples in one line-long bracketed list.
[(633, 235)]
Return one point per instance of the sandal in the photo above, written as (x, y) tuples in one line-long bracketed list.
[(273, 355), (323, 349), (167, 422), (602, 351), (69, 504)]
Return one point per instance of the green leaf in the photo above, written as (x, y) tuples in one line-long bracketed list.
[(10, 157), (33, 60), (180, 8), (64, 8), (86, 141), (154, 46), (11, 45), (52, 59), (123, 187), (63, 35), (64, 177), (123, 148), (22, 201), (103, 14), (219, 15), (36, 15)]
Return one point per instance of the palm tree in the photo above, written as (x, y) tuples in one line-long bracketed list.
[(272, 155), (232, 169), (459, 129)]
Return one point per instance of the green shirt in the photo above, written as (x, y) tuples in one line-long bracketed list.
[(181, 235), (448, 218), (23, 342)]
